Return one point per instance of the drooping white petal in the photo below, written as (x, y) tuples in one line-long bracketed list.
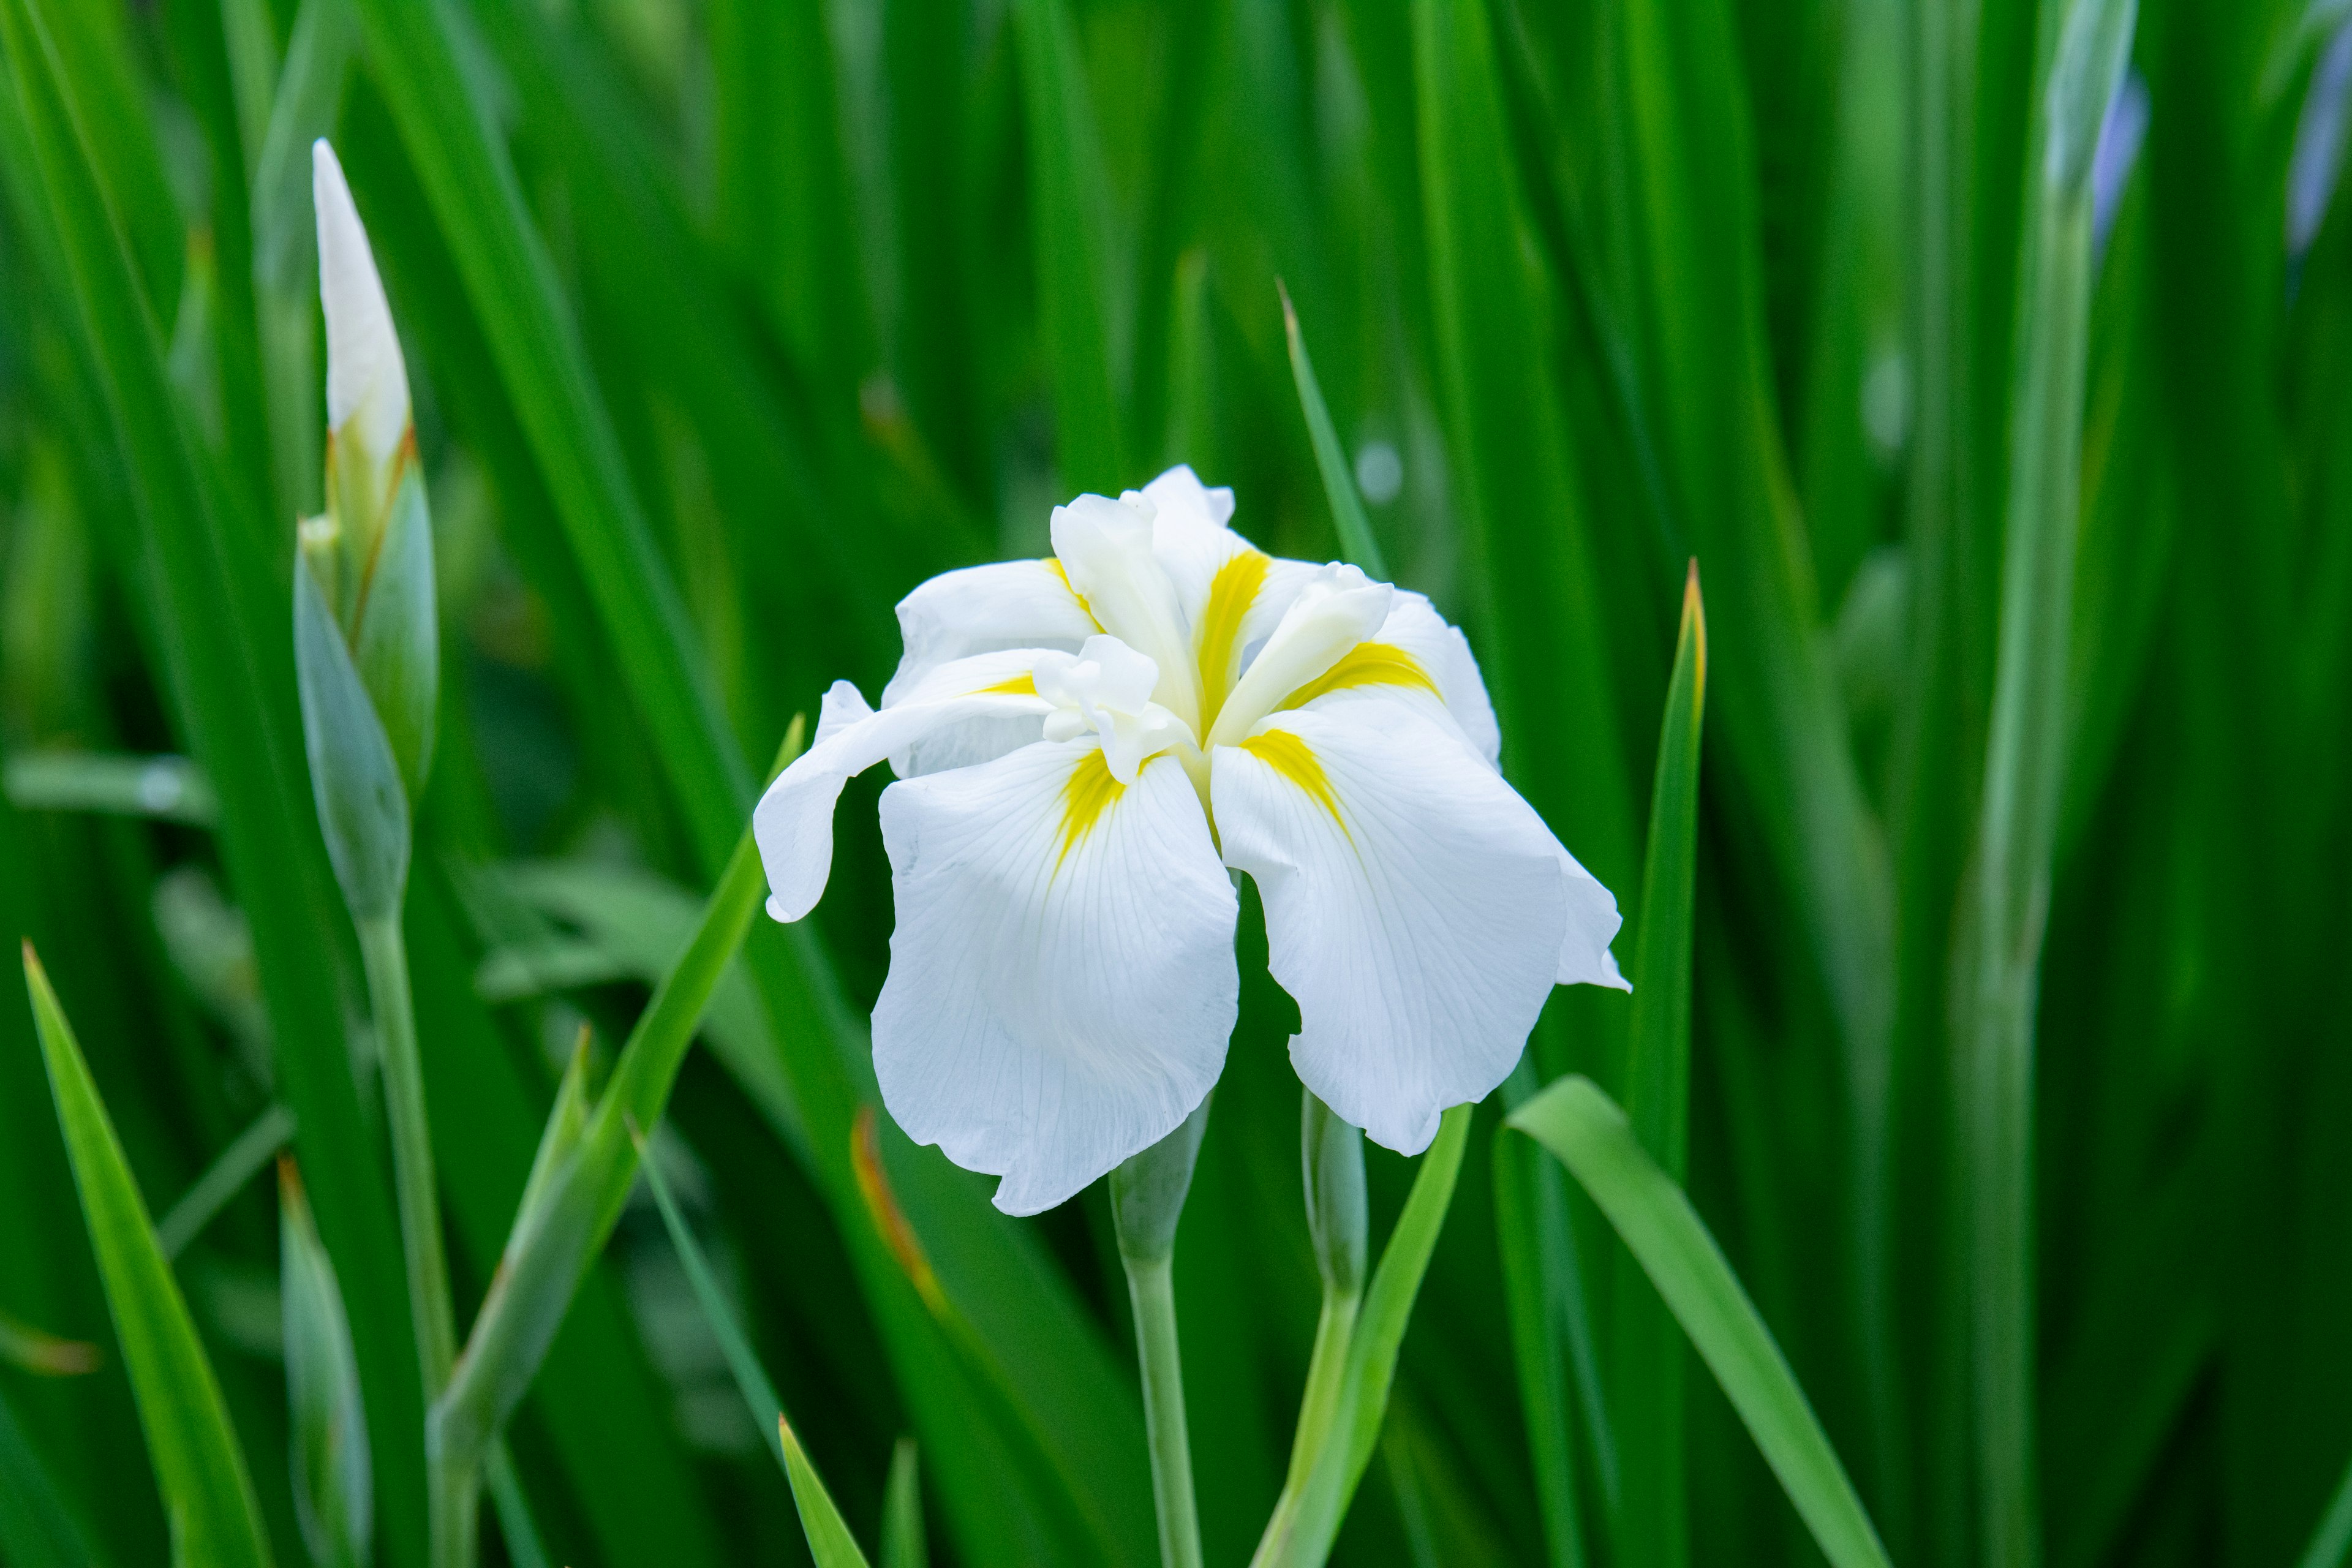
[(1417, 909), (793, 821), (986, 609), (1337, 609), (366, 377), (1105, 547), (1062, 980), (1414, 625), (1592, 924)]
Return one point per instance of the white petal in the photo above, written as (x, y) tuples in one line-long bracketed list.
[(1181, 497), (793, 821), (365, 375), (1105, 547), (1437, 673), (1193, 544), (1048, 1014), (1416, 907), (986, 609), (1337, 609), (1592, 924)]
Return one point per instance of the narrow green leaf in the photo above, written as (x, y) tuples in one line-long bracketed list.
[(1069, 203), (334, 1485), (1347, 515), (172, 789), (1535, 1286), (1998, 982), (219, 614), (1586, 1131), (752, 1379), (215, 1520), (1654, 1521), (512, 284), (224, 1179), (903, 1542), (829, 1540), (319, 59), (576, 1192)]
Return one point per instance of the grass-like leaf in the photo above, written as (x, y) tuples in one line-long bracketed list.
[(1347, 515), (1647, 1352), (224, 1179), (1587, 1132), (199, 1466)]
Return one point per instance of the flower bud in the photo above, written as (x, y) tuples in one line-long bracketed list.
[(371, 553), (1147, 1192)]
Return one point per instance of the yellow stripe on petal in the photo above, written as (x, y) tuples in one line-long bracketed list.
[(1021, 685), (1090, 792), (1054, 566), (1366, 663), (1291, 757), (1232, 592)]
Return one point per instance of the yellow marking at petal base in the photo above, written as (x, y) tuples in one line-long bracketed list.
[(1053, 563), (1021, 685), (1091, 790), (1291, 757), (1366, 663), (1232, 592)]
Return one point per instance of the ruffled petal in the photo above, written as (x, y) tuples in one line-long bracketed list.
[(1417, 909), (986, 609), (793, 821), (1062, 981)]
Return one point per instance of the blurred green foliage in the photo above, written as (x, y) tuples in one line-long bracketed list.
[(729, 322)]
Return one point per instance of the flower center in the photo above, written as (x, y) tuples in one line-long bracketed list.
[(1105, 688)]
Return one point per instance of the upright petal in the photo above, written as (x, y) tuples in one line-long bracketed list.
[(1230, 594), (793, 821), (1416, 907), (366, 377), (987, 609), (1062, 981), (1105, 547)]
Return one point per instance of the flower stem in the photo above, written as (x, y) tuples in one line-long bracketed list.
[(1146, 1200), (385, 955), (1327, 1377), (1151, 1285)]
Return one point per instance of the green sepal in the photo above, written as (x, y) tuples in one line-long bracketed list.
[(1147, 1190), (354, 778), (396, 639)]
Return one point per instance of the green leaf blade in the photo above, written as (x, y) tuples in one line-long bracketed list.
[(208, 1494), (1648, 1353), (1587, 1132)]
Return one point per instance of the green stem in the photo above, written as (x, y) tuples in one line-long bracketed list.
[(1327, 1381), (1151, 1285), (454, 1491), (455, 1482)]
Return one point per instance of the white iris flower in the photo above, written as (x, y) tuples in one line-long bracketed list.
[(1084, 745)]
